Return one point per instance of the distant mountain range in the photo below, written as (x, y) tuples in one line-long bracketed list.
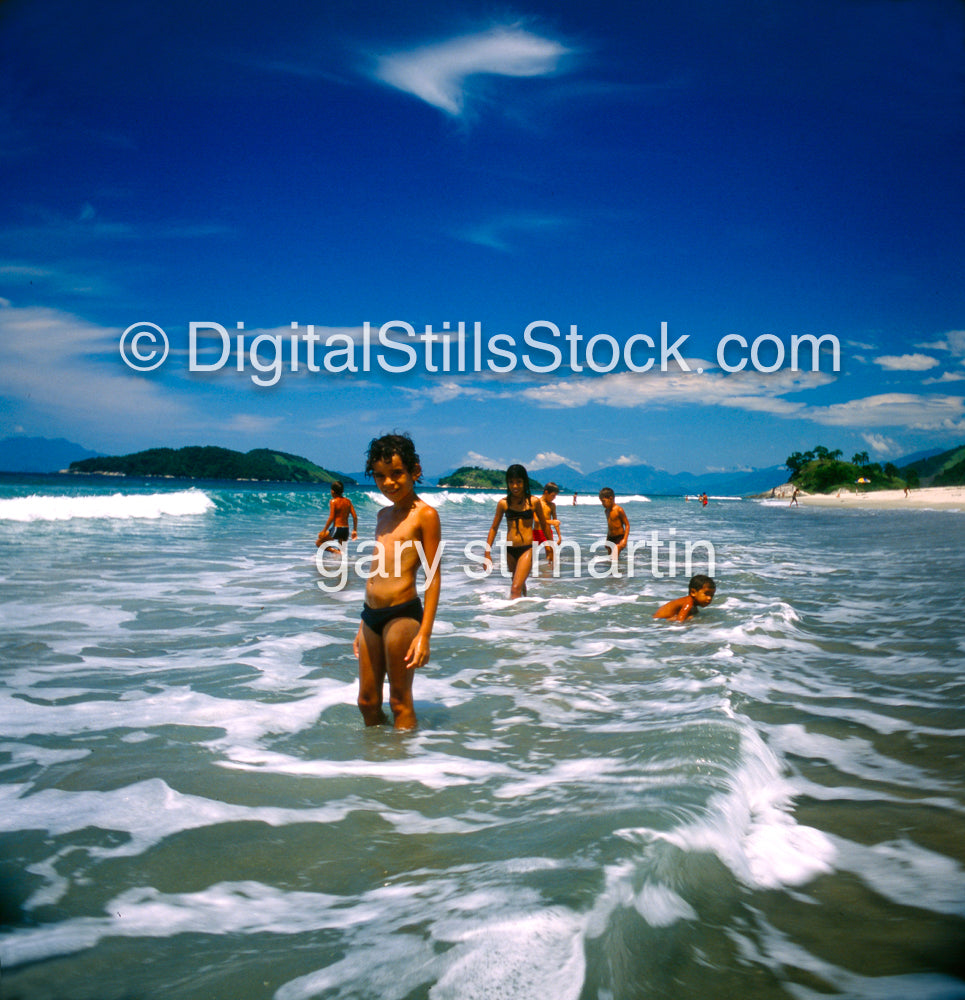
[(38, 454), (625, 479)]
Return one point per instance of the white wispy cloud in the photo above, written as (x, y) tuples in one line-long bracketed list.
[(547, 459), (742, 390), (906, 362), (67, 373), (482, 461), (54, 363), (881, 445), (442, 74), (953, 342), (499, 233), (945, 377), (894, 409)]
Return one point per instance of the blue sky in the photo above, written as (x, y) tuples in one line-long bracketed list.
[(755, 169)]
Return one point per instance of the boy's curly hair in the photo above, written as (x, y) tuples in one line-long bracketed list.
[(382, 449)]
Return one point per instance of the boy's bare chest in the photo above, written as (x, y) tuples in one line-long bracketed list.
[(397, 526)]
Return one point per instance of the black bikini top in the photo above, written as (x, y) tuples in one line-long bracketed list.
[(517, 515)]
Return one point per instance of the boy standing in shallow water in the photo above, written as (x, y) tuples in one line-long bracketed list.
[(617, 524), (701, 592), (338, 514), (548, 502), (393, 638)]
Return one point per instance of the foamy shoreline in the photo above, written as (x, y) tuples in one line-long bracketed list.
[(929, 497)]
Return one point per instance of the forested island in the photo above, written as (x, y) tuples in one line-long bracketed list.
[(472, 477), (210, 462), (821, 470)]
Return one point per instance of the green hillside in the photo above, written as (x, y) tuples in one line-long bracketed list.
[(821, 470), (946, 469), (209, 462), (472, 477)]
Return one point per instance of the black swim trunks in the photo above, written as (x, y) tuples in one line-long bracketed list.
[(614, 539), (378, 618), (340, 534), (517, 550)]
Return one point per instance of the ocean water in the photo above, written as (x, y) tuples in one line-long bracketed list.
[(765, 802)]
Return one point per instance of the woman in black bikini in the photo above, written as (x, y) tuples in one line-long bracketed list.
[(520, 511)]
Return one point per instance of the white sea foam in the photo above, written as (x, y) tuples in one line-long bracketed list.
[(529, 955), (147, 811), (120, 506), (907, 874), (655, 767), (751, 827), (241, 720), (660, 906)]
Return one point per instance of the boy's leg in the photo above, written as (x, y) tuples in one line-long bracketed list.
[(396, 638), (371, 677)]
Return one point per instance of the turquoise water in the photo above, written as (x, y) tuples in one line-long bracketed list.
[(766, 802)]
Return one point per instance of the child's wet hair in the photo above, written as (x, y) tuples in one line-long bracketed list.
[(338, 488), (518, 472), (607, 494), (382, 449), (699, 581)]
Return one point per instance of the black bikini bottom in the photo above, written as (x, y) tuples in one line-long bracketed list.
[(378, 618)]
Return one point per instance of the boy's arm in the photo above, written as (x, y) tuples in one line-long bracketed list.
[(417, 654), (331, 515), (355, 519), (667, 610), (541, 516), (626, 529), (678, 609)]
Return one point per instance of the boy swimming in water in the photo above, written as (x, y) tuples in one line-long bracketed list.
[(701, 593), (393, 638), (617, 524), (338, 514)]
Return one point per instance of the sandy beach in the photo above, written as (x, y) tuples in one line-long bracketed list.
[(931, 497)]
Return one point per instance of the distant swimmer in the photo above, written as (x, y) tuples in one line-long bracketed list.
[(393, 637), (794, 502), (617, 523), (520, 511), (701, 593), (339, 511)]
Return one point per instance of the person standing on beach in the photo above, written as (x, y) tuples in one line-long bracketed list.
[(520, 512), (393, 638)]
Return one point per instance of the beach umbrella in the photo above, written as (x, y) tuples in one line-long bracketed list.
[(862, 480)]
